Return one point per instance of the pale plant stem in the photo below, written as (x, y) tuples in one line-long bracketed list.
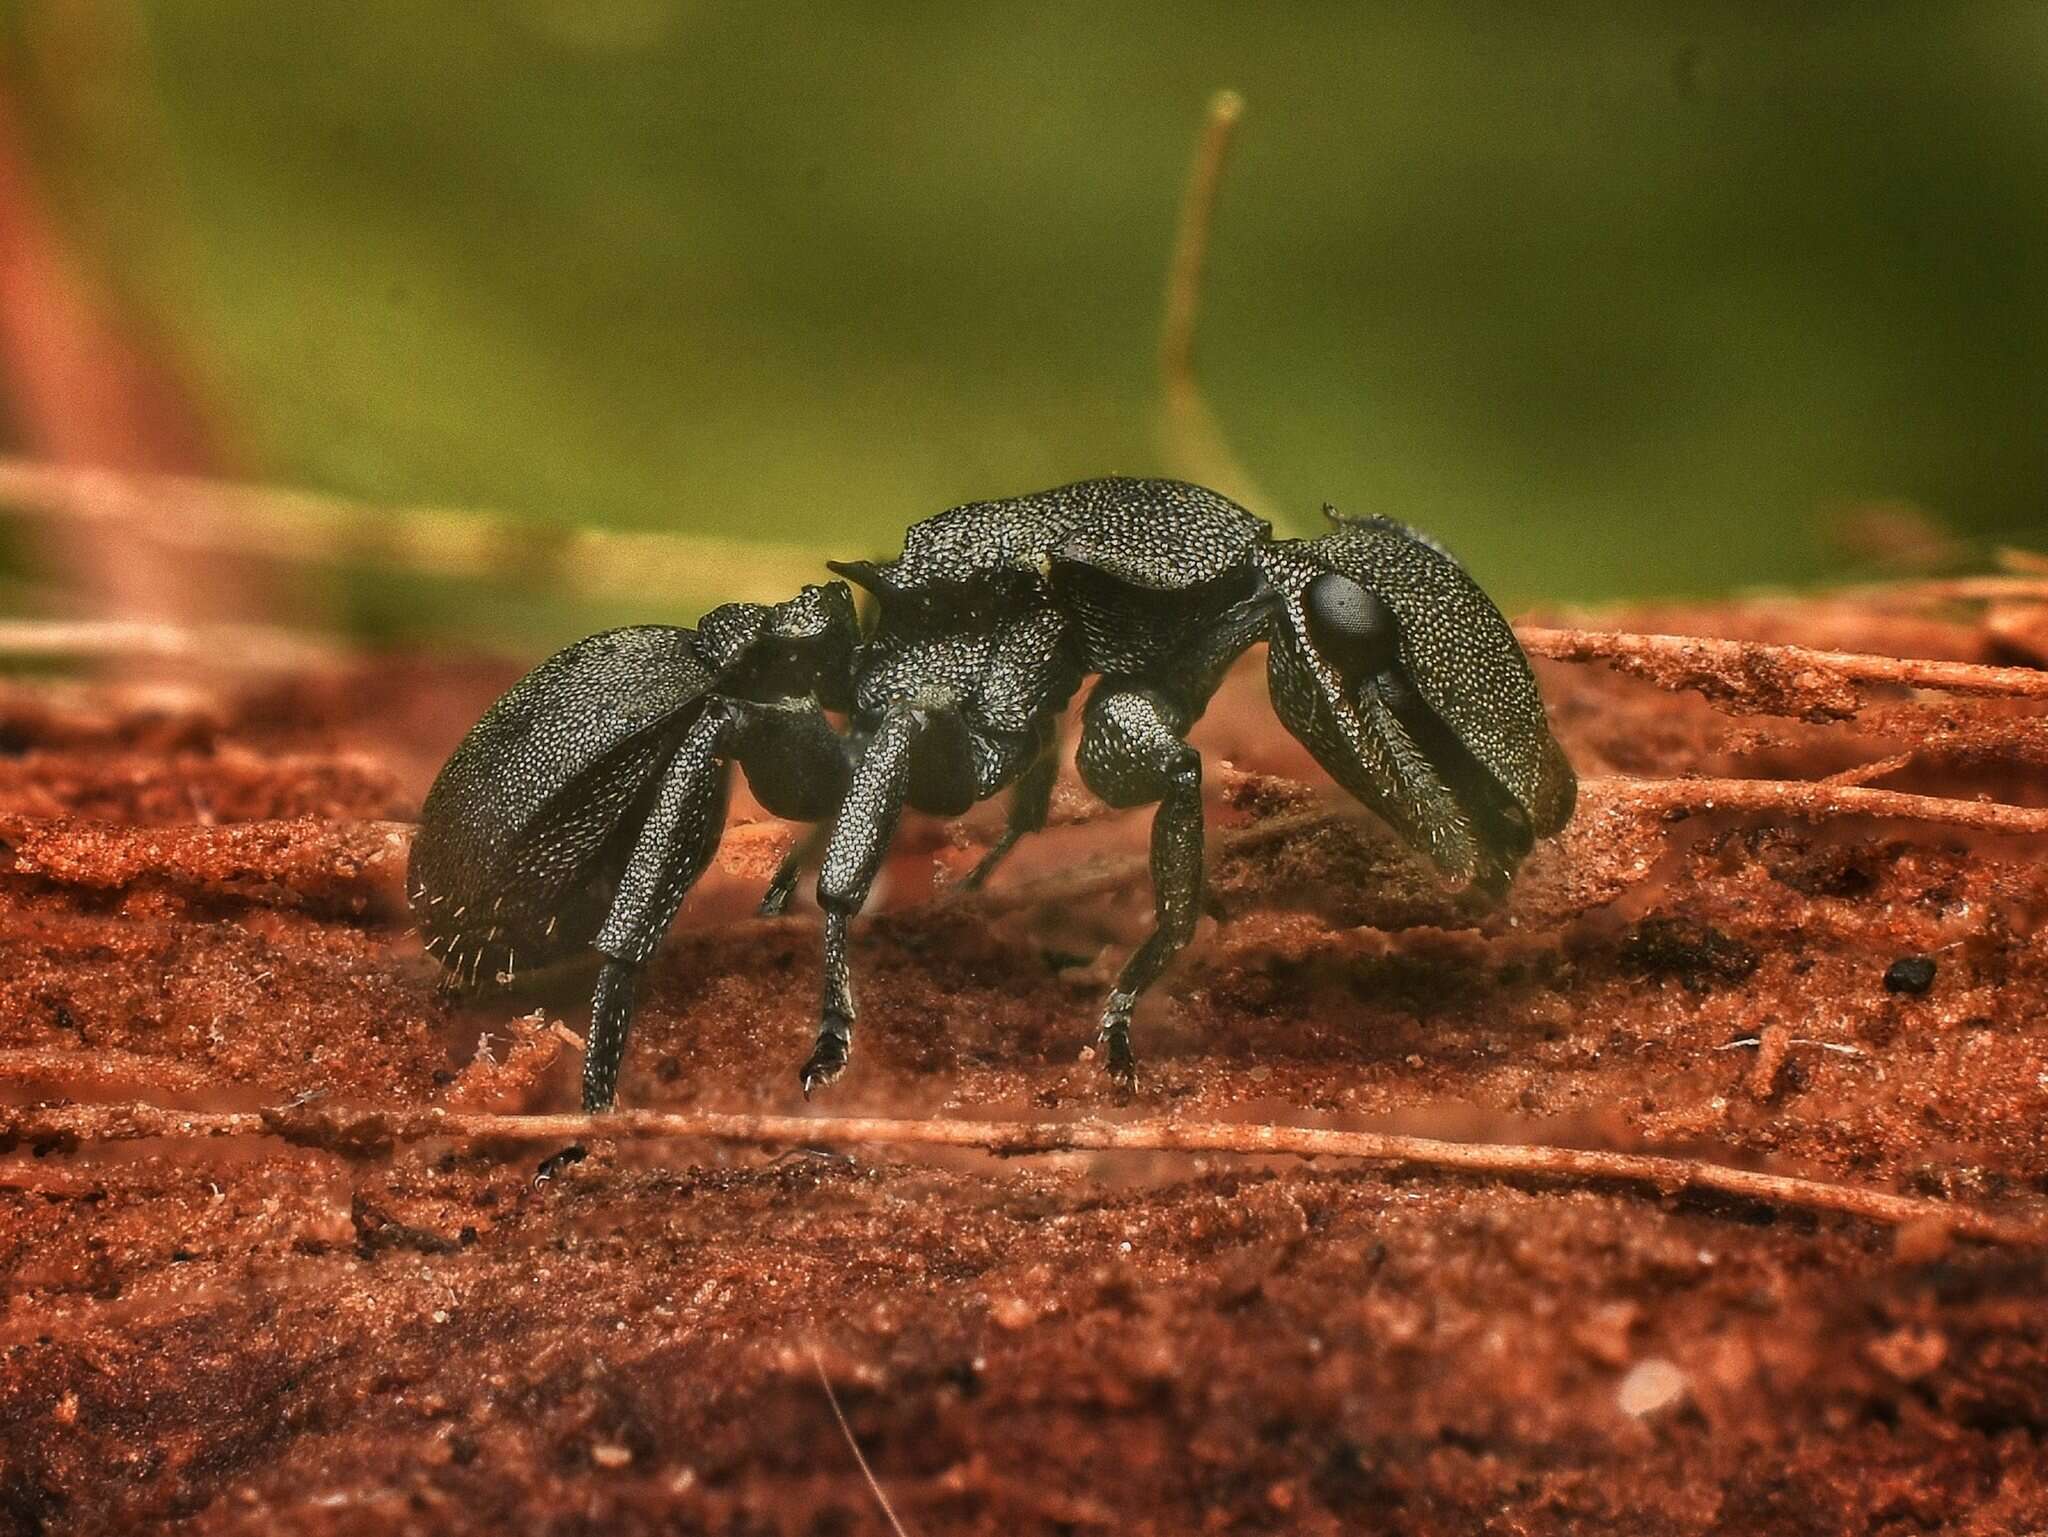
[(1192, 440), (370, 1132)]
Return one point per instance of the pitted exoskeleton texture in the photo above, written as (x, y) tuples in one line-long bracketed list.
[(578, 812), (1162, 534), (1457, 652), (583, 807), (1447, 739), (527, 830)]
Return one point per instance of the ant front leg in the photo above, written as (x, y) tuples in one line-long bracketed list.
[(672, 849), (854, 851), (1132, 755), (923, 751)]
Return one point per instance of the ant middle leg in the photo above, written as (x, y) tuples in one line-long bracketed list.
[(1132, 754), (922, 752), (782, 886), (854, 851), (1030, 803)]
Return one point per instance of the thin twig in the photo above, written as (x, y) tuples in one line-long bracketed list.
[(1191, 439), (252, 647), (846, 1430), (297, 527), (1684, 661), (1820, 801), (368, 1132), (1864, 773)]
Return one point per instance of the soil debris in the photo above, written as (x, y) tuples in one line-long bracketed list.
[(327, 1324), (1910, 974)]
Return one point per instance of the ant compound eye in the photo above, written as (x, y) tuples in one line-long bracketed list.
[(1351, 626)]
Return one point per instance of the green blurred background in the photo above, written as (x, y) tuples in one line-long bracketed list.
[(1614, 300)]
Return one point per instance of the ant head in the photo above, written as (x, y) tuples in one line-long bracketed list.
[(1397, 672)]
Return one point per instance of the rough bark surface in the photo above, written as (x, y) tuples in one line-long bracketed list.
[(199, 909)]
